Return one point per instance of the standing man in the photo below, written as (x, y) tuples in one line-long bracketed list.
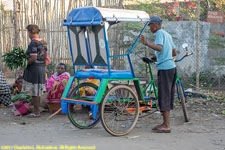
[(164, 51)]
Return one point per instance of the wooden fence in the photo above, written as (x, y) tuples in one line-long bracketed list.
[(49, 16)]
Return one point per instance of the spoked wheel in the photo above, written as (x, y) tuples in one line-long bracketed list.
[(81, 115), (119, 110), (183, 101)]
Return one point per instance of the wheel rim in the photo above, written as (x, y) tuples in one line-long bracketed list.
[(120, 110), (82, 118), (81, 115)]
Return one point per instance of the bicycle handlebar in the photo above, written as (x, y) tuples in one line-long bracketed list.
[(183, 57), (148, 61)]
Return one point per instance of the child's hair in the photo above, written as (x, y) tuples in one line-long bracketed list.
[(33, 29)]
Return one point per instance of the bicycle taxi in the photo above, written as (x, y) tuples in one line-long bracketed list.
[(117, 107)]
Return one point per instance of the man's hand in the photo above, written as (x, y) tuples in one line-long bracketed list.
[(174, 52), (154, 58), (143, 40), (151, 45)]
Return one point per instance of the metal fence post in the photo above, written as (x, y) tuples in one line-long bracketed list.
[(197, 44)]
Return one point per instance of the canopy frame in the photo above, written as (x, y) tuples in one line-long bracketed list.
[(88, 17)]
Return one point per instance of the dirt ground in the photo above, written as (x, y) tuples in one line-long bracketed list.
[(205, 131)]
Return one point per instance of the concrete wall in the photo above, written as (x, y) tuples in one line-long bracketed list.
[(185, 32), (216, 53), (212, 55)]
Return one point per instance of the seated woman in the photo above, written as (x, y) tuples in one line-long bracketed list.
[(17, 86), (56, 84), (5, 92)]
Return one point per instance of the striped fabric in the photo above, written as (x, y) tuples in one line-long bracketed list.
[(5, 93)]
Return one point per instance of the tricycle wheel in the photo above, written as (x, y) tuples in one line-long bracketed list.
[(119, 110), (81, 115)]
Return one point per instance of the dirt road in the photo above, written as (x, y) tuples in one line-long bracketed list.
[(206, 131)]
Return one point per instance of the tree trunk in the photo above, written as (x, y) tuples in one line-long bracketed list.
[(69, 7), (120, 3), (99, 3), (117, 52), (15, 23), (90, 3)]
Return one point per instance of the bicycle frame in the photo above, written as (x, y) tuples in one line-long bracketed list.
[(151, 84), (178, 81)]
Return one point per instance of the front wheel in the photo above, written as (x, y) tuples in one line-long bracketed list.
[(81, 115), (119, 110), (182, 99)]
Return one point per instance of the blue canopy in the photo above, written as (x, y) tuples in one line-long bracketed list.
[(86, 16)]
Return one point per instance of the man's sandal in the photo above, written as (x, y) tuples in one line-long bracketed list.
[(163, 130), (156, 127)]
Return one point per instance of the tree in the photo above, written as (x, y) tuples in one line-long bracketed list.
[(15, 23)]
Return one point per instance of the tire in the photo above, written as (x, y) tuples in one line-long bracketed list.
[(183, 101), (80, 115), (124, 111)]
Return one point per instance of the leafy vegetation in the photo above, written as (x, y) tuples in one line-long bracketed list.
[(70, 69), (216, 42), (16, 58), (51, 68), (176, 11), (220, 60), (207, 79), (21, 97)]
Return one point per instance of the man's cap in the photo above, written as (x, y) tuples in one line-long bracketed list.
[(155, 19)]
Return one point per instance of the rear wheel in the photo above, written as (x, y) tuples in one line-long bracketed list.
[(81, 115), (119, 110), (183, 101)]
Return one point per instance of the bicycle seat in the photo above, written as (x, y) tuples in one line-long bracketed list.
[(147, 60)]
